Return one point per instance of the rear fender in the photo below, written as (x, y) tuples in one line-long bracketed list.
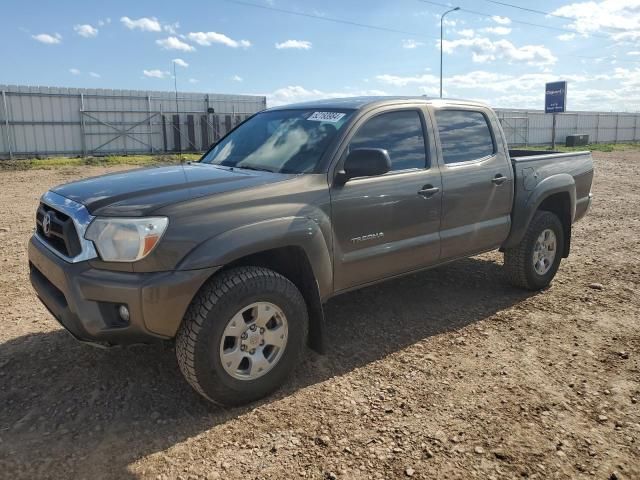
[(527, 203)]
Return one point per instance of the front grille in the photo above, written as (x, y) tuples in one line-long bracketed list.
[(62, 234)]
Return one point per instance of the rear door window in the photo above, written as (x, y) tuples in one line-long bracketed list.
[(464, 135)]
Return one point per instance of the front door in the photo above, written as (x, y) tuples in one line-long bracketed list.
[(388, 224)]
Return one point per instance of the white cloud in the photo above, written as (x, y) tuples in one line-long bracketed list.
[(579, 99), (501, 20), (171, 28), (292, 94), (174, 43), (86, 30), (628, 78), (411, 44), (400, 81), (237, 78), (297, 93), (630, 36), (146, 24), (180, 62), (498, 30), (485, 80), (102, 23), (619, 17), (517, 100), (624, 99), (75, 71), (635, 53), (484, 50), (467, 32), (478, 79), (565, 37), (432, 91), (506, 83), (48, 39), (295, 44), (450, 22), (155, 73), (193, 80), (208, 38), (618, 89)]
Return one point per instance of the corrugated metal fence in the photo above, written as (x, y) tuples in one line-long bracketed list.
[(533, 127), (71, 121)]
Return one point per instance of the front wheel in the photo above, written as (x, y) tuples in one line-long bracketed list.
[(242, 335), (533, 263)]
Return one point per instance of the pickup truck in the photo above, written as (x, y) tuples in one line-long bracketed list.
[(233, 256)]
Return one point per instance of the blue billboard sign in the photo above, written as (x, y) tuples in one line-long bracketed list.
[(555, 97)]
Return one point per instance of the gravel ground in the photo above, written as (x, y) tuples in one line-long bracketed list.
[(449, 373)]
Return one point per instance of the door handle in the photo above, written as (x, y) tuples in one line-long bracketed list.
[(428, 191), (499, 179)]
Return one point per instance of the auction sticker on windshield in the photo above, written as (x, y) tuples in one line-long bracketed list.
[(332, 117)]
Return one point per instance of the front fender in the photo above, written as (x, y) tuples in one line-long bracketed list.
[(527, 202), (267, 235)]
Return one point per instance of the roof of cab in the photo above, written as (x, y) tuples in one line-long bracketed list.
[(357, 103)]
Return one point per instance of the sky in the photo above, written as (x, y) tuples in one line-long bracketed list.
[(295, 51)]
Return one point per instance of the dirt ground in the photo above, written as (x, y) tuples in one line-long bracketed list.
[(449, 373)]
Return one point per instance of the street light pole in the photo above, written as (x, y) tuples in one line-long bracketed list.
[(441, 35)]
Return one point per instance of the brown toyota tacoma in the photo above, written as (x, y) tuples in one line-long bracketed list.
[(234, 255)]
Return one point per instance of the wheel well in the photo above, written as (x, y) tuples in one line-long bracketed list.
[(292, 262), (560, 205)]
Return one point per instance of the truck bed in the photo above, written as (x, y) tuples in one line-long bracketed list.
[(532, 167), (524, 153)]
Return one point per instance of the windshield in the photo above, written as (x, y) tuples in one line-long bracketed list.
[(282, 141)]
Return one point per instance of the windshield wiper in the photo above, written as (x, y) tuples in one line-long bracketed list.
[(258, 169)]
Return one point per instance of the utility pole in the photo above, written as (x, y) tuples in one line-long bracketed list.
[(441, 35), (175, 87)]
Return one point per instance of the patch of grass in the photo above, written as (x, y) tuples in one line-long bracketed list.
[(108, 161), (594, 147)]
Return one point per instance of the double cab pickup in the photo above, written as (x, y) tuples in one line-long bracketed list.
[(233, 256)]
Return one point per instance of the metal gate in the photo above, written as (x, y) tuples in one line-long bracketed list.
[(516, 130), (99, 124)]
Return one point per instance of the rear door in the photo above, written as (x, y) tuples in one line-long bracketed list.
[(388, 224), (477, 180)]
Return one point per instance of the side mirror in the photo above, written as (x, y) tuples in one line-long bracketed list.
[(366, 162)]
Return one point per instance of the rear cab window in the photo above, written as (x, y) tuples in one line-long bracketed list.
[(465, 135)]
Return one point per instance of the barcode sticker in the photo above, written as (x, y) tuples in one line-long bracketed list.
[(332, 117)]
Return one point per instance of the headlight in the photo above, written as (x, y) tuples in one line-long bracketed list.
[(125, 239)]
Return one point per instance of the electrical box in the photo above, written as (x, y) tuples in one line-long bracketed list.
[(577, 140)]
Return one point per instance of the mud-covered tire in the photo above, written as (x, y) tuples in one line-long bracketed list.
[(198, 342), (519, 260)]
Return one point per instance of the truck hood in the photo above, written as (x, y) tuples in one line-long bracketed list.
[(141, 191)]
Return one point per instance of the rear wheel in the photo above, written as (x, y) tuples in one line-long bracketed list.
[(533, 263), (242, 335)]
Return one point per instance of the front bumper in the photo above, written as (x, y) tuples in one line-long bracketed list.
[(85, 300)]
